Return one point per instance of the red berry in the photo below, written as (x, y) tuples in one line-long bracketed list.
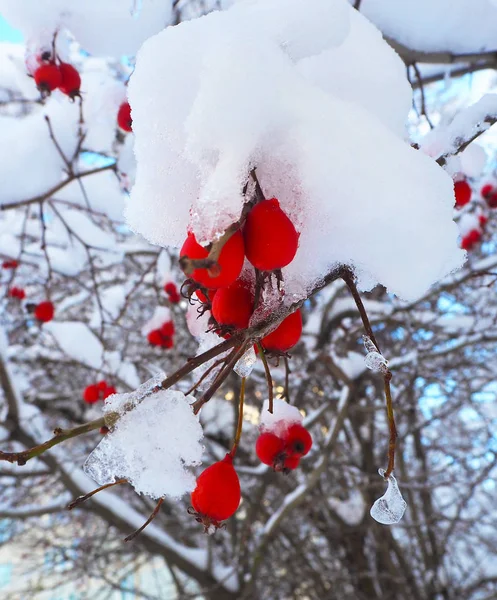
[(472, 238), (71, 81), (102, 385), (486, 189), (462, 191), (104, 430), (217, 494), (124, 119), (10, 264), (167, 330), (109, 391), (233, 305), (18, 293), (491, 200), (291, 462), (167, 342), (483, 220), (174, 298), (268, 447), (271, 240), (206, 299), (91, 394), (44, 311), (286, 335), (170, 288), (230, 261), (47, 77), (155, 338), (298, 440)]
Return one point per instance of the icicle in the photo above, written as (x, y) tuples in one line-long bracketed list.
[(390, 508)]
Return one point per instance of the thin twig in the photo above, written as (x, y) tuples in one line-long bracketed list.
[(239, 427), (269, 379), (155, 512), (86, 497)]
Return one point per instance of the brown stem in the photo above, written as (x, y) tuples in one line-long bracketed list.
[(80, 499), (239, 427), (205, 374), (155, 512), (286, 391), (269, 379)]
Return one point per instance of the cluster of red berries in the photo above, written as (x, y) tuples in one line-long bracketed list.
[(53, 74), (172, 293), (124, 119), (98, 391), (10, 264), (463, 193), (489, 194), (17, 292), (283, 450), (163, 336), (269, 241)]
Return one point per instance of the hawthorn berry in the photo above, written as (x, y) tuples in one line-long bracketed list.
[(271, 240), (233, 305), (298, 440), (269, 447), (167, 330), (286, 335), (170, 288), (109, 391), (167, 342), (18, 293), (44, 311), (124, 119), (70, 80), (473, 237), (487, 189), (291, 463), (491, 199), (217, 495), (47, 77), (155, 337), (462, 192), (230, 261), (91, 394), (483, 220), (205, 299), (10, 264), (102, 385)]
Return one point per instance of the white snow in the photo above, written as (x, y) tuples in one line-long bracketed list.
[(283, 415), (237, 97), (155, 463), (161, 315)]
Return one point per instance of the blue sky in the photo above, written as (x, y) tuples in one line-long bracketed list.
[(8, 33)]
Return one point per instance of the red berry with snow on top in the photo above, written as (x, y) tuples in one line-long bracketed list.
[(124, 119), (230, 261), (286, 335), (269, 448), (271, 240), (233, 305), (217, 494), (71, 80), (47, 77), (462, 192), (91, 394), (298, 440), (44, 311)]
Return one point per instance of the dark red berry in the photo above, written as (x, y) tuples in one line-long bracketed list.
[(271, 240), (170, 288), (102, 385), (473, 237), (47, 77), (217, 494), (233, 305), (486, 190), (167, 330), (167, 342), (483, 220), (124, 119), (104, 430), (18, 293), (230, 261), (491, 199), (109, 391), (462, 191), (10, 264), (298, 440), (291, 463), (268, 448), (286, 335), (91, 394), (44, 311), (71, 80), (155, 338)]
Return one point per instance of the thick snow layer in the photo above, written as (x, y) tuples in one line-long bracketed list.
[(238, 96), (107, 28), (150, 446), (445, 25), (282, 416)]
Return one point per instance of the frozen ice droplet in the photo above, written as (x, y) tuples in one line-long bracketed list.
[(390, 508), (375, 361), (246, 363)]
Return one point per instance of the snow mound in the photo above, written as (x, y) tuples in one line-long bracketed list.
[(248, 89), (282, 416)]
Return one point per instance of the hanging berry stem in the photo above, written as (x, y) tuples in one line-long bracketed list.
[(80, 499), (349, 279), (269, 379), (239, 427), (155, 512)]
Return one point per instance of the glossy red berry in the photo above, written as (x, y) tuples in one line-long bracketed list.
[(10, 264), (233, 305), (473, 237), (205, 299), (217, 494), (44, 311), (298, 440), (155, 337), (167, 330), (286, 335), (230, 261), (491, 199), (109, 391), (18, 293), (124, 119), (268, 448), (71, 80), (291, 463), (486, 189), (102, 385), (462, 191), (47, 77), (170, 288), (91, 394), (271, 240)]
